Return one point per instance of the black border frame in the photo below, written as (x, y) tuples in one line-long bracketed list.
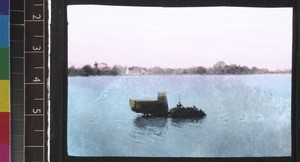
[(58, 75)]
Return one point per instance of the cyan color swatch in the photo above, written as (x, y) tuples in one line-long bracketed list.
[(4, 31)]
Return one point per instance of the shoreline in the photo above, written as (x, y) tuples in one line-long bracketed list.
[(181, 75)]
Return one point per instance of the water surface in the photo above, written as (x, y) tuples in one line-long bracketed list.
[(247, 115)]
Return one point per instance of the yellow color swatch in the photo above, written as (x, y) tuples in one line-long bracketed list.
[(4, 96)]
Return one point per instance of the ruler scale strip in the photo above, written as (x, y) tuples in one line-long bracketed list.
[(4, 82), (35, 98)]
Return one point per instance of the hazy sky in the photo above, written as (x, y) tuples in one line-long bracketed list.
[(180, 37)]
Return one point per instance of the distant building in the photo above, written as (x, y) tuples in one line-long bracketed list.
[(134, 70), (96, 65), (102, 65)]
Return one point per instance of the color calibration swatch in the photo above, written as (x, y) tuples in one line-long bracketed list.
[(4, 82)]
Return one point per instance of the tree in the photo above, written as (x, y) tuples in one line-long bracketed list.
[(219, 67), (168, 71), (72, 71), (87, 70), (201, 70), (118, 69), (245, 70), (254, 70)]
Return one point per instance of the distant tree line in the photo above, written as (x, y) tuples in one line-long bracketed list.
[(88, 70), (220, 68)]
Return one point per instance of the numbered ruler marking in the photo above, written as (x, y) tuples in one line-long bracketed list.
[(34, 58)]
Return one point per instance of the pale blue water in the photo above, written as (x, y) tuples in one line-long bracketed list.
[(247, 115)]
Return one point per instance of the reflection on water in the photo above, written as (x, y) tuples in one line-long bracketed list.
[(158, 126), (146, 123), (178, 122), (148, 131)]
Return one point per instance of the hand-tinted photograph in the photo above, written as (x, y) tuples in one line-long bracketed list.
[(179, 81)]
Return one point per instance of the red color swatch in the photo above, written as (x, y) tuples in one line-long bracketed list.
[(4, 127)]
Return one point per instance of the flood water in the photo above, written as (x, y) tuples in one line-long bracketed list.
[(247, 115)]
